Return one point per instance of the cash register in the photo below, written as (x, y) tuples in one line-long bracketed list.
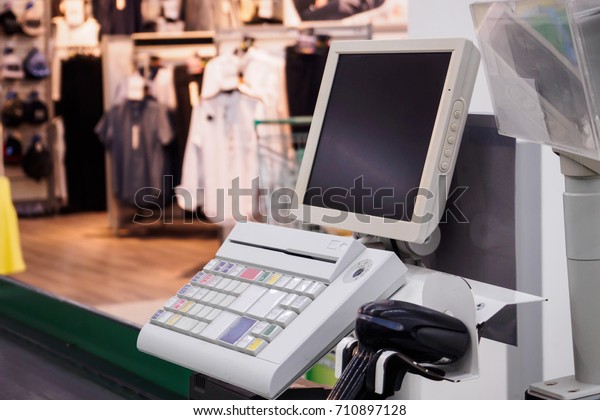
[(378, 162)]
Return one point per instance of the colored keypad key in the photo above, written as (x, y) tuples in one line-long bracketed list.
[(263, 277), (237, 330), (273, 278), (271, 332), (219, 266), (250, 274), (226, 268)]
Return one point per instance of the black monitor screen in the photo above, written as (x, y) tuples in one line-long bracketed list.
[(376, 133)]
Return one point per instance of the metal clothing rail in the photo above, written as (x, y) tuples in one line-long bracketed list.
[(152, 39), (282, 33)]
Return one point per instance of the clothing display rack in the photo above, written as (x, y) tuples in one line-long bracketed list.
[(119, 54), (30, 196)]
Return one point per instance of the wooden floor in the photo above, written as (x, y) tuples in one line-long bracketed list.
[(78, 257)]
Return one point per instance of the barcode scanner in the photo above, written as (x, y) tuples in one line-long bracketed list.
[(416, 333)]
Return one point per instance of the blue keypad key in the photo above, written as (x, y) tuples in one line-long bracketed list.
[(237, 330)]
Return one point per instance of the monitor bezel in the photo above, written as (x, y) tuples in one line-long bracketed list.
[(458, 86)]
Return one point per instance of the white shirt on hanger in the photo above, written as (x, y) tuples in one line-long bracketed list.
[(84, 35), (264, 75), (162, 88), (222, 147)]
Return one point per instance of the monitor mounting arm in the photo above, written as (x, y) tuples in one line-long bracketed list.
[(582, 231)]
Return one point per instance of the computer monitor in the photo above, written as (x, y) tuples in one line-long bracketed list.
[(385, 136)]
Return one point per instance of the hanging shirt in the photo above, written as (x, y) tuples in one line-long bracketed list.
[(264, 76), (222, 147), (84, 36), (187, 89), (118, 17), (162, 88), (135, 133)]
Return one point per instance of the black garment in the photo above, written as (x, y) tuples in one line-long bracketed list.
[(9, 22), (118, 22), (36, 112), (13, 111), (55, 8), (37, 162), (81, 107), (183, 114), (303, 74)]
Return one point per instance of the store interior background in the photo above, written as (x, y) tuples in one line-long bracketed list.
[(80, 256)]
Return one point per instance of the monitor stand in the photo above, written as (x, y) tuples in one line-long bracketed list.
[(582, 229)]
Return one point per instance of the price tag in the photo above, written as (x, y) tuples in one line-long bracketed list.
[(121, 4), (194, 93), (135, 137)]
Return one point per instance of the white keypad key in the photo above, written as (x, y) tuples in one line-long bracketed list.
[(259, 328), (232, 286), (286, 318), (209, 265), (223, 284), (195, 309), (274, 314), (204, 312), (214, 281), (315, 290), (300, 304), (227, 301), (213, 314), (219, 325), (218, 299), (200, 294), (192, 291), (287, 300), (209, 296), (171, 302), (244, 342), (282, 282), (185, 324), (304, 286), (198, 328), (240, 288), (292, 284), (245, 300), (266, 303), (235, 271)]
